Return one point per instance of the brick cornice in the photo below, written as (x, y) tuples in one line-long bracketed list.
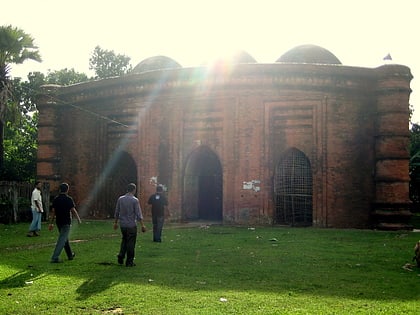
[(153, 83)]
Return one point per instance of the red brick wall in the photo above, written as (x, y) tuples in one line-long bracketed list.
[(339, 117)]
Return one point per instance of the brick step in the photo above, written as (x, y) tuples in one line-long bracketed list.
[(392, 212), (394, 226)]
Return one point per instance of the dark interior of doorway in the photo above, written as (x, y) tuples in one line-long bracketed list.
[(203, 186), (123, 172), (209, 198)]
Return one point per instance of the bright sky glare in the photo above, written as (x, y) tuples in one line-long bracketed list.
[(359, 32)]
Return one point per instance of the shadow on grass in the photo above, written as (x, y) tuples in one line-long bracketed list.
[(19, 279), (344, 263), (273, 261), (93, 286)]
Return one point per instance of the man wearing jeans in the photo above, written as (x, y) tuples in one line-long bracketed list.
[(62, 209), (37, 210), (128, 212)]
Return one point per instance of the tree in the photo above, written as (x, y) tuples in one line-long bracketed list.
[(21, 132), (20, 149), (65, 77), (15, 47), (415, 164), (107, 64)]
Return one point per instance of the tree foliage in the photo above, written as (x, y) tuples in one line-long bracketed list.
[(107, 64), (15, 48), (20, 133), (20, 138), (20, 149), (415, 164), (20, 141), (65, 77)]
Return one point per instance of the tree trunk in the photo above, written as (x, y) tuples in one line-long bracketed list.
[(1, 144)]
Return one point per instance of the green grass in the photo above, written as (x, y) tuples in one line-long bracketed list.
[(214, 270)]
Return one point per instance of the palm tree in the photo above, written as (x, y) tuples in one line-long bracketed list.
[(15, 47)]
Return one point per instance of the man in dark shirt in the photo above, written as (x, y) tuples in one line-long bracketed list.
[(128, 212), (158, 202), (62, 209)]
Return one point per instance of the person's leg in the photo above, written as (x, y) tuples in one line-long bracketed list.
[(39, 220), (37, 223), (159, 227), (34, 223), (68, 251), (61, 241), (123, 246), (131, 244), (155, 229)]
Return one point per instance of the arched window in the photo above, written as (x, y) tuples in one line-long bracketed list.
[(293, 189)]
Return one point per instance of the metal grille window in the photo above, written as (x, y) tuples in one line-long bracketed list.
[(293, 189)]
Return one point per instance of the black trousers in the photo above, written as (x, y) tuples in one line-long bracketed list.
[(128, 243), (157, 228)]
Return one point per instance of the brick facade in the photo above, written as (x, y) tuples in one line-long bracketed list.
[(219, 140)]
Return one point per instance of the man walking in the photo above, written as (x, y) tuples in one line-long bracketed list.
[(128, 213), (62, 209), (158, 202)]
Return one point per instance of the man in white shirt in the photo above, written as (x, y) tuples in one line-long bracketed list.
[(37, 210)]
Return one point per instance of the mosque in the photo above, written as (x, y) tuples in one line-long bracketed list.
[(302, 141)]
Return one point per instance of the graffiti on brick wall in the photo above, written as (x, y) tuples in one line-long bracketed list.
[(154, 181), (252, 185)]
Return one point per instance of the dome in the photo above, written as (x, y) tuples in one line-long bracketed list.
[(156, 63), (237, 57), (309, 54), (241, 57)]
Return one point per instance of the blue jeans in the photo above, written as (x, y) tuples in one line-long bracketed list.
[(62, 242), (157, 228), (128, 243), (36, 221)]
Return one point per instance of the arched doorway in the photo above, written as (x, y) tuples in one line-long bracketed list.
[(122, 171), (293, 189), (203, 186)]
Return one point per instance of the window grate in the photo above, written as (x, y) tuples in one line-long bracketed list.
[(293, 189)]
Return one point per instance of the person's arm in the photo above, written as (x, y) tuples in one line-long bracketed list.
[(38, 206), (165, 207), (51, 218), (116, 214), (76, 214), (143, 227), (140, 217), (37, 198)]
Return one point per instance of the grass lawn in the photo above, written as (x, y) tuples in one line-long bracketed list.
[(211, 270)]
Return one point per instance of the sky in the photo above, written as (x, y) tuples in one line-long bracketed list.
[(359, 33)]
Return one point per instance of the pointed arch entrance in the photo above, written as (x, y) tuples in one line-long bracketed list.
[(203, 186), (293, 189), (122, 171)]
